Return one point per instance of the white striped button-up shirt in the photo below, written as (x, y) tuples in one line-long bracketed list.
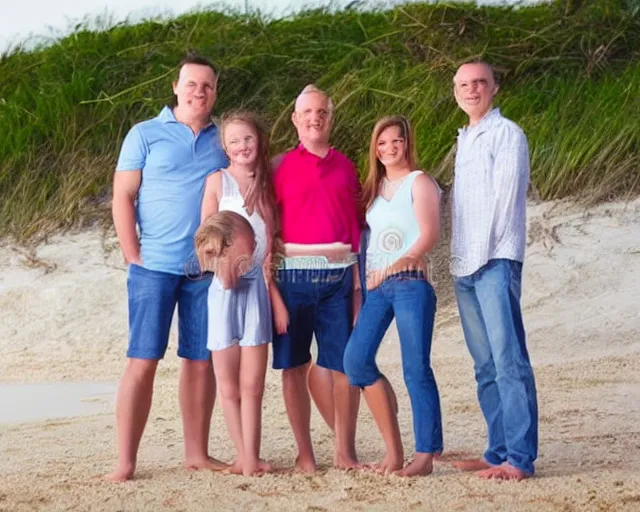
[(490, 184)]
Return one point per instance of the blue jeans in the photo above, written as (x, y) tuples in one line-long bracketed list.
[(489, 304), (320, 302), (411, 298), (153, 297)]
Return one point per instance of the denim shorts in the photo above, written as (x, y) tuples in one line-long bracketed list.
[(319, 302), (153, 297)]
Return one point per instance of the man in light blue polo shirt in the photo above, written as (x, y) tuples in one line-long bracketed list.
[(158, 186)]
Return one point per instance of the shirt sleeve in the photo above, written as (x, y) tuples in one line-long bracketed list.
[(133, 154), (510, 175)]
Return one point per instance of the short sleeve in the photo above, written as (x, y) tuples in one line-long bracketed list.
[(133, 154)]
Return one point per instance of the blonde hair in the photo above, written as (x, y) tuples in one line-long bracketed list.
[(261, 194), (313, 89), (377, 171), (216, 234)]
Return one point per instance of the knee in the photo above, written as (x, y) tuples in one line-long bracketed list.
[(142, 370), (252, 389), (295, 378), (513, 370), (485, 371), (359, 371), (228, 390)]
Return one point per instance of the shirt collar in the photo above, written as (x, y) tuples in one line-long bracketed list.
[(482, 125), (304, 151), (166, 115)]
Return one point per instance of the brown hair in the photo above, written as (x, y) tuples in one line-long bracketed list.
[(261, 194), (377, 171), (192, 57), (216, 233)]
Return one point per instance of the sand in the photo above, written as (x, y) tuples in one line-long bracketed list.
[(64, 321)]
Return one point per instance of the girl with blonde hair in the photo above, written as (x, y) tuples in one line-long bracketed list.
[(240, 314)]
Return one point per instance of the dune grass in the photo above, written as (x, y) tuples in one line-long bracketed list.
[(570, 75)]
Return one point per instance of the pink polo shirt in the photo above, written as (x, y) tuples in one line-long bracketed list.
[(318, 198)]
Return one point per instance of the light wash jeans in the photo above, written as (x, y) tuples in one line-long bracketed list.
[(412, 300), (489, 304)]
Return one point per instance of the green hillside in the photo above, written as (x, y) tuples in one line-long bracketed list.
[(570, 72)]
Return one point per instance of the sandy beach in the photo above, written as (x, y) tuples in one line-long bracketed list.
[(63, 337)]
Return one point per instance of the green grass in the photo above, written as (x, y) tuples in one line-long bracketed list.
[(570, 70)]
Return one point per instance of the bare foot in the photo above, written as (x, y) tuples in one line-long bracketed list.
[(504, 471), (389, 464), (121, 474), (306, 464), (421, 465), (235, 468), (265, 467), (346, 462), (471, 464), (209, 463)]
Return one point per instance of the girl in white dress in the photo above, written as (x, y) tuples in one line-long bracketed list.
[(240, 318)]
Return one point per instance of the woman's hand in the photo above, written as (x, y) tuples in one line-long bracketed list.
[(375, 278)]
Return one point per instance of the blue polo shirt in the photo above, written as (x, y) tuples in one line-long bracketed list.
[(174, 164)]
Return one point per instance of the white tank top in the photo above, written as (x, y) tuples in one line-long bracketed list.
[(232, 200)]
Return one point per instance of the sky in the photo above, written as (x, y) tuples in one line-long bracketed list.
[(21, 19)]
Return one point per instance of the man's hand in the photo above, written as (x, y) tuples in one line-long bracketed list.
[(280, 317), (134, 259)]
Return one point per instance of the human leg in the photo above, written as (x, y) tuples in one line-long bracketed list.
[(333, 326), (226, 363), (197, 388), (151, 300), (253, 367), (477, 341), (291, 353), (414, 305), (498, 291), (362, 371), (320, 383), (133, 404)]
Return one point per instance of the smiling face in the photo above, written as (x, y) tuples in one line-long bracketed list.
[(391, 147), (312, 118), (474, 89), (241, 143), (195, 91)]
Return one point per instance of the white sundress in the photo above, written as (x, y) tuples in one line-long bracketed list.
[(243, 314)]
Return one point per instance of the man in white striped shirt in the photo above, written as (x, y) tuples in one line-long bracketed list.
[(487, 250)]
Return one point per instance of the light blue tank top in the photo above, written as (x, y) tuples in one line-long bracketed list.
[(394, 226)]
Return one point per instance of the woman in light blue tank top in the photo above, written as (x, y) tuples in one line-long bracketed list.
[(403, 214)]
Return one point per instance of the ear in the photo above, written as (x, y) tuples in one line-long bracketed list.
[(174, 85), (496, 88), (294, 118)]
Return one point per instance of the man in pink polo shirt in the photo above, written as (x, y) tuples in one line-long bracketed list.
[(317, 193)]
